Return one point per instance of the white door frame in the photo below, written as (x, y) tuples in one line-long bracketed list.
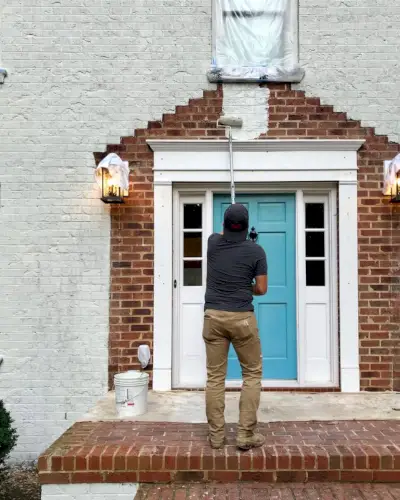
[(309, 192), (256, 162), (188, 196)]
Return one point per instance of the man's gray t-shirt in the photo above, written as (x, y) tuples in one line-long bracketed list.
[(231, 269)]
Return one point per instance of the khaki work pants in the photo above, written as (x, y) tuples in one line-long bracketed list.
[(220, 329)]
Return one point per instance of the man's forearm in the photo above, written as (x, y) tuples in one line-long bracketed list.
[(260, 287)]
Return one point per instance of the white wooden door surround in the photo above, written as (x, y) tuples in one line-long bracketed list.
[(319, 172)]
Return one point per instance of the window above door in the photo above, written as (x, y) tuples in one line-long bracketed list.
[(255, 40)]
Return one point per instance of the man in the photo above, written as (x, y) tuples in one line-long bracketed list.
[(233, 263)]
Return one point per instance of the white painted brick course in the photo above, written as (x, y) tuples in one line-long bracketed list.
[(115, 491), (81, 74)]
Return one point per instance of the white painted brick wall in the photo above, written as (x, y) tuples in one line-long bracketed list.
[(249, 102), (81, 74), (102, 491), (351, 52)]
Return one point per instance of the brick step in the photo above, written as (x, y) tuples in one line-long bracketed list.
[(164, 452)]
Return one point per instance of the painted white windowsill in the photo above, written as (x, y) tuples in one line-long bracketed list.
[(282, 76)]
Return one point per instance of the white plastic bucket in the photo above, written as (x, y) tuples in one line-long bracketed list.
[(131, 389)]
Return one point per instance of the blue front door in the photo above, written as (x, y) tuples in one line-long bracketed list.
[(273, 216)]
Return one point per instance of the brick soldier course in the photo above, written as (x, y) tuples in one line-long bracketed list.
[(149, 452), (291, 115)]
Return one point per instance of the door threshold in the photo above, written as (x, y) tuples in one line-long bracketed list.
[(272, 385), (283, 384)]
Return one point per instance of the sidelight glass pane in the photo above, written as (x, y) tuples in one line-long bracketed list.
[(192, 216), (315, 244), (192, 273), (192, 244), (315, 273), (315, 216)]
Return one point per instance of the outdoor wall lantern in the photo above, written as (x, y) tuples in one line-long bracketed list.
[(112, 175), (391, 183), (396, 190)]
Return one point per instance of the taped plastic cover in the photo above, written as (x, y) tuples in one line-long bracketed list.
[(253, 41), (144, 355), (117, 169)]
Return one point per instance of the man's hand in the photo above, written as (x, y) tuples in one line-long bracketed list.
[(260, 287)]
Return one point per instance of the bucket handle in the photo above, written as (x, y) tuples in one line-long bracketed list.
[(136, 395)]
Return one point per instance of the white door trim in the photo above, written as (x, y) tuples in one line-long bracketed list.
[(334, 285), (256, 162), (300, 286), (176, 294), (348, 287), (162, 356)]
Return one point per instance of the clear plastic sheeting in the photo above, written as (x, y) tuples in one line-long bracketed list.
[(392, 168), (253, 40)]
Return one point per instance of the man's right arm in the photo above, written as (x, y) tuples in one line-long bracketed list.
[(260, 287)]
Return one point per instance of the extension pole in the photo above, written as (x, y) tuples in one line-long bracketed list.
[(229, 122), (231, 166)]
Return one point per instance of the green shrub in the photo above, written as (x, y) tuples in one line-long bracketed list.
[(8, 435)]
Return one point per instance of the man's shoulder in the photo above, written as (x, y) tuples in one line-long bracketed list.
[(214, 239), (260, 249)]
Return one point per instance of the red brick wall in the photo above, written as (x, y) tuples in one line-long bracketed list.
[(291, 115), (132, 252)]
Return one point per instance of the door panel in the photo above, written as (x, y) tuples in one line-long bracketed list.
[(273, 216), (319, 348)]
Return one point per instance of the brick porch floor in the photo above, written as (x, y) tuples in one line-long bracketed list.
[(91, 452), (314, 491)]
